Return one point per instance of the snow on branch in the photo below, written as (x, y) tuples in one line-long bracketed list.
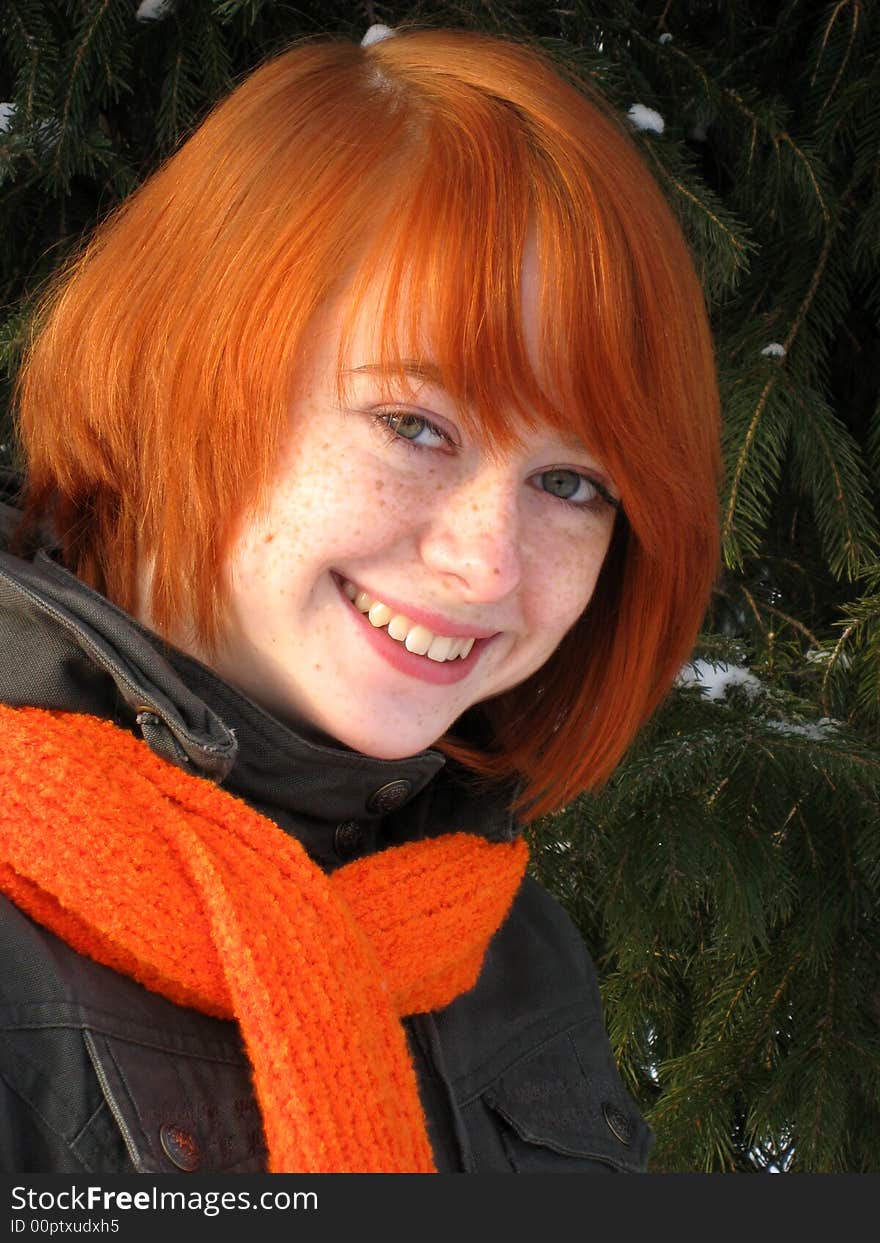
[(153, 10), (715, 679), (646, 118), (375, 34)]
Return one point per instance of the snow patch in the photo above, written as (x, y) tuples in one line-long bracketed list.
[(773, 350), (376, 34), (822, 655), (816, 730), (666, 37), (153, 10), (715, 680), (7, 111), (646, 118)]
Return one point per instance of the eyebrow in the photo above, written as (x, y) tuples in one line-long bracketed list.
[(426, 371)]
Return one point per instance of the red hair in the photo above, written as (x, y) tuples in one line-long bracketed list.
[(155, 396)]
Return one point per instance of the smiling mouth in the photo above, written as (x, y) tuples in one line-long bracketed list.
[(416, 638)]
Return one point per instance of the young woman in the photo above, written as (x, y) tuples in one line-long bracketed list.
[(369, 510)]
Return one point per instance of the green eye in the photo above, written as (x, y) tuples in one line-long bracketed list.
[(409, 426), (416, 431), (566, 484)]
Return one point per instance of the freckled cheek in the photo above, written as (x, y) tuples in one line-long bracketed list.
[(364, 508), (333, 510), (561, 580)]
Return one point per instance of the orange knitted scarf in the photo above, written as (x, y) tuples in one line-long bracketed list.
[(170, 880)]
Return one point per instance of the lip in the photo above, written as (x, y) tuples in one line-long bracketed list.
[(432, 621), (437, 673)]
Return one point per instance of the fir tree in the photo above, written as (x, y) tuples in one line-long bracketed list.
[(727, 879)]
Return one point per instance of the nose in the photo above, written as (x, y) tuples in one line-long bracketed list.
[(473, 537)]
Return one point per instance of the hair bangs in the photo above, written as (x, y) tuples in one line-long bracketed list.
[(452, 249)]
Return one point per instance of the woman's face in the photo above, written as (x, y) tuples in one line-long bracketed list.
[(389, 506)]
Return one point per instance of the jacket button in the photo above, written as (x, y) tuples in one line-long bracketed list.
[(348, 840), (618, 1123), (389, 796), (180, 1147)]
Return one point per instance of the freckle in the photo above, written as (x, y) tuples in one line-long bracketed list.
[(317, 668), (380, 484), (269, 538)]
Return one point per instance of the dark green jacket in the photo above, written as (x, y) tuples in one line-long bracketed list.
[(99, 1075)]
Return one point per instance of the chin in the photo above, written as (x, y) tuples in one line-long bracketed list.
[(391, 750), (387, 747)]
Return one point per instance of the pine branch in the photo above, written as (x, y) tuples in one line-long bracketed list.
[(30, 41), (794, 622), (98, 51), (856, 14), (733, 501), (722, 228), (873, 444), (827, 459)]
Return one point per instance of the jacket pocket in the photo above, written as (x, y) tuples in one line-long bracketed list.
[(178, 1112), (560, 1110)]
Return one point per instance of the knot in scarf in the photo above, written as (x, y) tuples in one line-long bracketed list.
[(174, 882)]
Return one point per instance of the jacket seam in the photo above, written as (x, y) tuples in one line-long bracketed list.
[(427, 1024), (29, 1104), (115, 1033), (43, 1120), (490, 1069)]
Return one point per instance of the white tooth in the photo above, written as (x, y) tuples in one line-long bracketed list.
[(439, 648), (455, 649), (399, 627), (363, 602), (466, 648), (380, 614), (419, 640), (349, 589)]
